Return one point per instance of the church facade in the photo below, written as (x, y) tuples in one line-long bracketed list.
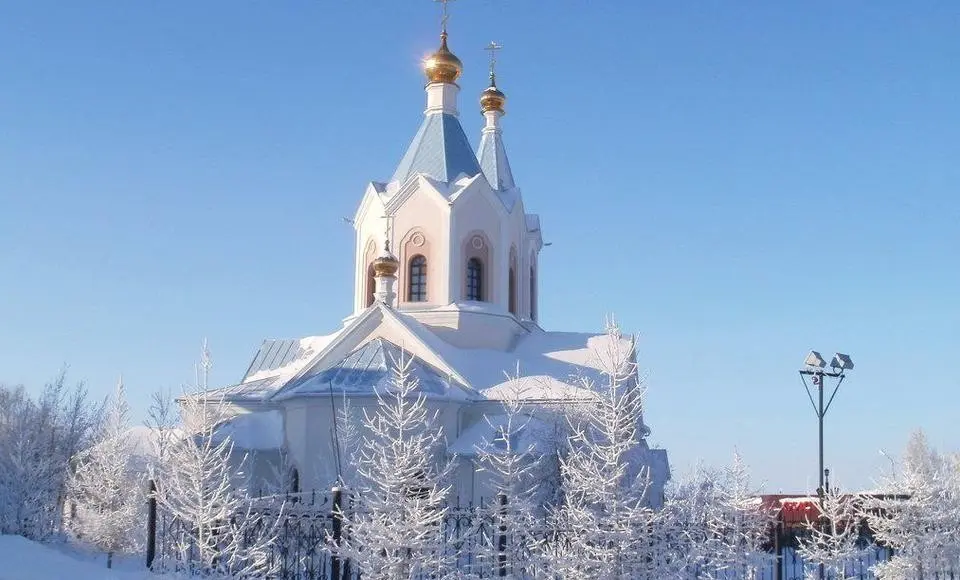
[(446, 274)]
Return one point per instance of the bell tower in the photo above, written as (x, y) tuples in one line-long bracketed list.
[(465, 250)]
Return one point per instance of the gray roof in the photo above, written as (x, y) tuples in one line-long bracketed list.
[(366, 370), (493, 161), (274, 354), (440, 149)]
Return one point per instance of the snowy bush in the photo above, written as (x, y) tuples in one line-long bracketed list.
[(919, 515), (37, 440)]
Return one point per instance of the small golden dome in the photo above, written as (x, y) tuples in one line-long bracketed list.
[(442, 66), (492, 98), (386, 263)]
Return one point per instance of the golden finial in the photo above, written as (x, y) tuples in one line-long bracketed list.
[(492, 98), (386, 263), (443, 66)]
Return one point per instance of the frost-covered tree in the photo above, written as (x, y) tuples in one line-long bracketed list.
[(349, 438), (740, 524), (919, 515), (219, 533), (713, 525), (605, 522), (686, 536), (393, 531), (105, 488), (513, 462), (832, 539), (37, 440)]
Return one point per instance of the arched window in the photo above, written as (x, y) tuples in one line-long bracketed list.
[(533, 294), (371, 284), (512, 290), (417, 280), (474, 279)]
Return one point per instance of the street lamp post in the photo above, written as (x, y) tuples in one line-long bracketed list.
[(815, 367)]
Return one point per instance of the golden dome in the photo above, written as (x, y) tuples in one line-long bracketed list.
[(386, 263), (442, 66), (492, 98)]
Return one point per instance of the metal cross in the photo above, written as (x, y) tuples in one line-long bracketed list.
[(493, 47), (386, 233), (445, 16)]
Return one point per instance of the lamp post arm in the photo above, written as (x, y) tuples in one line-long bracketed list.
[(834, 394), (809, 394)]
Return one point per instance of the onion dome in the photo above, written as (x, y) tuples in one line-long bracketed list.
[(492, 98), (442, 66), (386, 263)]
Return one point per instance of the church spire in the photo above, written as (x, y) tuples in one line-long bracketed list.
[(492, 155), (440, 148)]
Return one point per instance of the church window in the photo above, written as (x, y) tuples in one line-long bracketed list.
[(371, 284), (474, 279), (533, 294), (417, 285), (512, 290)]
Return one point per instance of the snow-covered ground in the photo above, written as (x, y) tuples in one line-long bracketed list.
[(22, 559)]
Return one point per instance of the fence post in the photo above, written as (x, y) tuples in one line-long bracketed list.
[(778, 546), (502, 541), (151, 523), (335, 564)]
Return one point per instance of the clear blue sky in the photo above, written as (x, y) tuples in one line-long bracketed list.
[(738, 181)]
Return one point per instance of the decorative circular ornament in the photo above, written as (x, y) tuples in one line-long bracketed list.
[(477, 243), (417, 239)]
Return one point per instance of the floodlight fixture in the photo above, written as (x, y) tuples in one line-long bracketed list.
[(841, 361), (814, 360)]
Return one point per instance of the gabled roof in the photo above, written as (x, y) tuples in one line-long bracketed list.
[(367, 370), (493, 161), (440, 149)]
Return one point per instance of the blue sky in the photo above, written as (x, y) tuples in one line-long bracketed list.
[(738, 181)]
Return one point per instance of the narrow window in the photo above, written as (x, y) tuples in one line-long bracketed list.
[(474, 279), (371, 284), (533, 295), (512, 288), (417, 287)]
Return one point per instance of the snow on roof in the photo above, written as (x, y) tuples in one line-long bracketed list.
[(369, 369), (285, 358), (253, 431), (553, 365)]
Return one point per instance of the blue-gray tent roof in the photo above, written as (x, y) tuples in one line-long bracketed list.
[(493, 161), (440, 149)]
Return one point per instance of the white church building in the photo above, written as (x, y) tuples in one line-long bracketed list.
[(447, 272)]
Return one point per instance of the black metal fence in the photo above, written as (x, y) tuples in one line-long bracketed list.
[(309, 523)]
